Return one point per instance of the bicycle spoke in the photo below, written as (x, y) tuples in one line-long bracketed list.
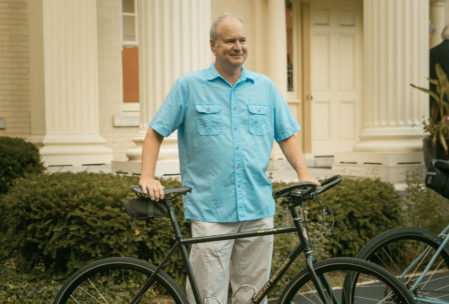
[(118, 280), (406, 252)]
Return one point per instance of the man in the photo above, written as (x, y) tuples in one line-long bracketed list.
[(227, 118), (439, 54)]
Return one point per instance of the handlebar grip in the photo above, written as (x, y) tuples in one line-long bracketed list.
[(329, 183)]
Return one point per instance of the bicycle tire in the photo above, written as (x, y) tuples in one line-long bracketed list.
[(395, 249), (117, 280), (375, 285)]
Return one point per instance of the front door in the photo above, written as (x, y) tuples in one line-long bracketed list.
[(335, 75)]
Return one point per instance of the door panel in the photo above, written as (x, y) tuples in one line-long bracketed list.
[(335, 42)]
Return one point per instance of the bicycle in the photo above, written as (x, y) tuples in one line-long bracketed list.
[(128, 280), (418, 257)]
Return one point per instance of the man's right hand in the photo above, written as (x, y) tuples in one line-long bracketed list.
[(152, 187)]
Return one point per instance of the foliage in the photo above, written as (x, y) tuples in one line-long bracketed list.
[(362, 208), (65, 220), (25, 288), (340, 221), (55, 224), (425, 208), (17, 158), (438, 123)]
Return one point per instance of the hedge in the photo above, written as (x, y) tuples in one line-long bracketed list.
[(54, 224), (17, 158)]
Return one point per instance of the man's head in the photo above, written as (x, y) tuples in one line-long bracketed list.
[(228, 41), (445, 33)]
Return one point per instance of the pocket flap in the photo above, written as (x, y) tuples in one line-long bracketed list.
[(259, 110), (208, 108)]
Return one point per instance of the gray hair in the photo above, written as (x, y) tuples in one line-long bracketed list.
[(445, 33), (214, 27)]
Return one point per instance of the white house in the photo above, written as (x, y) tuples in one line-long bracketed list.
[(82, 78)]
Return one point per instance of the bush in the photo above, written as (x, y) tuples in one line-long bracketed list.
[(25, 288), (17, 158), (425, 208), (55, 224), (65, 220), (362, 209)]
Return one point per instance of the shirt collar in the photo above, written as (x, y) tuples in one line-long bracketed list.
[(213, 74)]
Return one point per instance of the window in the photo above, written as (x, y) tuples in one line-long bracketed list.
[(130, 54)]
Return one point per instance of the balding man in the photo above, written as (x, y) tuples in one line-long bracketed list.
[(227, 118)]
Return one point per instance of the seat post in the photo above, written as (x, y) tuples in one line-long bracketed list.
[(173, 219)]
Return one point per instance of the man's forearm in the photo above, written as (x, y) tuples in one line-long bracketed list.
[(150, 152), (295, 156)]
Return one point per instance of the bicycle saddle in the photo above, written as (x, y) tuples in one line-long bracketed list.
[(144, 208), (169, 192)]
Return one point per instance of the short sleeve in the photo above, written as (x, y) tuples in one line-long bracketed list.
[(285, 124), (170, 115)]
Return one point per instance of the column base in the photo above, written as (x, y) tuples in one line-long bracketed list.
[(393, 167), (164, 168), (72, 150)]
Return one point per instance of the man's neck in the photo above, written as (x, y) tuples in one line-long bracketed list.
[(231, 74)]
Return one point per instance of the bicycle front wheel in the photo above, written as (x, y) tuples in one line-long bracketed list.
[(406, 252), (372, 284), (118, 280)]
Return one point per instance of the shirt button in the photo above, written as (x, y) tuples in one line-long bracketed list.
[(237, 148), (235, 128), (238, 185), (234, 108), (208, 110), (238, 166)]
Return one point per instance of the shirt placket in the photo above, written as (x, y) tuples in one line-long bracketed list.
[(236, 140)]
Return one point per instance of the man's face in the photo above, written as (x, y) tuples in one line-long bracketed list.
[(230, 48)]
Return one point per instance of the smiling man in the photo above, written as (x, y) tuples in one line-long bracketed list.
[(227, 119)]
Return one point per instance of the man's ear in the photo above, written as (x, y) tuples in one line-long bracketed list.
[(212, 47)]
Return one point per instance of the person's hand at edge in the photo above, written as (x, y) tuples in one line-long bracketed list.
[(152, 187)]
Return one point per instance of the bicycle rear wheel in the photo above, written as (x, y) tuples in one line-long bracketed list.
[(118, 280), (373, 284), (397, 249)]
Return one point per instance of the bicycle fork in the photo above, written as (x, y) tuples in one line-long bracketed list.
[(325, 292)]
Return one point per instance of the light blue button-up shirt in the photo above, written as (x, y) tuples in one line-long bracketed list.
[(225, 137)]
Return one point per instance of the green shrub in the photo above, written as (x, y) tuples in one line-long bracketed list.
[(25, 288), (66, 220), (362, 209), (17, 158), (425, 208), (55, 224)]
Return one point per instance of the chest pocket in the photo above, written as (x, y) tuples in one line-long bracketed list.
[(258, 119), (209, 119)]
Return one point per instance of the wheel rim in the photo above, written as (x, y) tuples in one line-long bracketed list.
[(116, 284), (397, 254), (368, 285)]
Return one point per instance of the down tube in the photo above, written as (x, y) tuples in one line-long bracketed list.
[(278, 273)]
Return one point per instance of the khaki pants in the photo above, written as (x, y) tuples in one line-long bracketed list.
[(245, 263)]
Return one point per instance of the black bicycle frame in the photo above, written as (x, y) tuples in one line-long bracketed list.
[(303, 246)]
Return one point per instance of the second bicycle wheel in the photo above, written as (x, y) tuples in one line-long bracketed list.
[(406, 252), (373, 284), (118, 280)]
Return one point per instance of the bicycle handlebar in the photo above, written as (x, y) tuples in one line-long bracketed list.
[(299, 189), (306, 188)]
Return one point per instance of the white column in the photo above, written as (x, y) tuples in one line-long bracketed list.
[(64, 82), (276, 43), (437, 17), (396, 54), (173, 40)]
